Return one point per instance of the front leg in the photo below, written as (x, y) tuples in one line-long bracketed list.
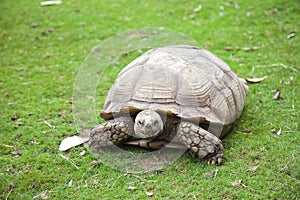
[(201, 142), (110, 132)]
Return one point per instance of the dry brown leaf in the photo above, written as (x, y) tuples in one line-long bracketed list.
[(82, 153), (94, 162), (249, 131), (149, 194), (278, 132), (131, 188), (63, 113), (249, 14), (14, 118), (96, 181), (253, 169), (70, 101), (44, 195), (198, 8), (11, 169), (255, 80), (211, 174), (71, 142), (70, 183), (34, 25), (291, 35), (237, 183), (192, 16), (250, 48), (50, 3), (17, 153), (48, 124), (85, 184), (277, 96), (229, 48)]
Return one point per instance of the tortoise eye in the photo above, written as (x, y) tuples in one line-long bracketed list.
[(155, 122), (140, 122)]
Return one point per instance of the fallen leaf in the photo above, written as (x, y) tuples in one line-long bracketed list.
[(291, 34), (249, 131), (17, 153), (82, 24), (82, 153), (198, 8), (278, 132), (192, 16), (96, 181), (250, 48), (50, 3), (63, 113), (253, 169), (229, 48), (34, 25), (211, 174), (131, 188), (11, 169), (48, 124), (70, 142), (248, 14), (85, 184), (277, 96), (96, 49), (70, 101), (274, 189), (44, 195), (14, 118), (50, 30), (124, 53), (255, 80), (237, 183), (20, 123), (149, 194), (70, 183)]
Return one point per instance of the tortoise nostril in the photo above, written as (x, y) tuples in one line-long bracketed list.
[(148, 125)]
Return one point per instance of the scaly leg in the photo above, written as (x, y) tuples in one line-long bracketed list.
[(201, 142), (110, 132)]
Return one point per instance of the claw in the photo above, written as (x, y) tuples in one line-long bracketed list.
[(212, 162), (219, 161)]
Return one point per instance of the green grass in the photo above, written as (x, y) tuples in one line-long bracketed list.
[(39, 66)]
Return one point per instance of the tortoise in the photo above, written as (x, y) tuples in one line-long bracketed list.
[(179, 92)]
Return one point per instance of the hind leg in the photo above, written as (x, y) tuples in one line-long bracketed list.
[(110, 132), (201, 142)]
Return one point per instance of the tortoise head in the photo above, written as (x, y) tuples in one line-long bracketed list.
[(148, 124)]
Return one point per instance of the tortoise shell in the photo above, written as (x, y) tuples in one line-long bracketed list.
[(186, 81)]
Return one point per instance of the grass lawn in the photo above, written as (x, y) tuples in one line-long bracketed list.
[(42, 49)]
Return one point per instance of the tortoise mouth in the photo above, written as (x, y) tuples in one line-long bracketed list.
[(148, 134), (148, 124)]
